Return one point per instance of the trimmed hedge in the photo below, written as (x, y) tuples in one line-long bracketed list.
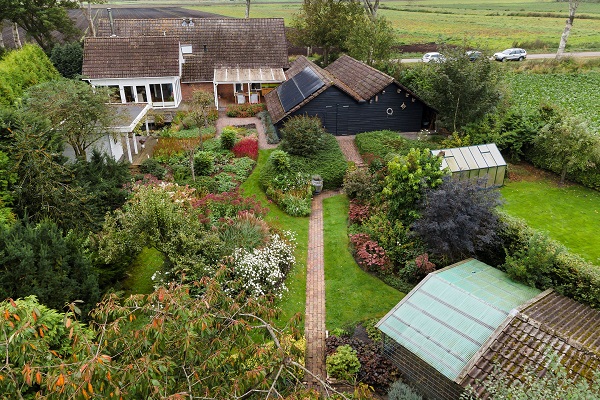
[(328, 161), (567, 273), (244, 110), (379, 144)]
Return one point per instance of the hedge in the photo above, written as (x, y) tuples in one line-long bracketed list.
[(379, 144)]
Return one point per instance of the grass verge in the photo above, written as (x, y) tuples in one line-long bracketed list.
[(140, 273), (294, 301), (569, 214), (352, 295)]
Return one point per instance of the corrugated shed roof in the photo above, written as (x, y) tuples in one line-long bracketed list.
[(248, 75), (470, 158), (550, 322), (448, 317), (130, 57), (215, 42)]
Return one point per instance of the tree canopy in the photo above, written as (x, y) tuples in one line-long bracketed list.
[(41, 18), (76, 111)]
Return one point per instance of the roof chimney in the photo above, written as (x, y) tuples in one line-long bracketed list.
[(112, 22)]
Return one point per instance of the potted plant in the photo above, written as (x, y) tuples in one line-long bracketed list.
[(317, 183)]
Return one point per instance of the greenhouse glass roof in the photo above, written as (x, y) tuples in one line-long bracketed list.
[(448, 317)]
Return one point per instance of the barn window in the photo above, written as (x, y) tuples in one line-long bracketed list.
[(389, 111)]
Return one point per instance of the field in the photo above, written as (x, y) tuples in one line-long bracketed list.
[(577, 93), (535, 25)]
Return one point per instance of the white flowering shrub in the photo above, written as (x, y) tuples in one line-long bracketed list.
[(262, 271)]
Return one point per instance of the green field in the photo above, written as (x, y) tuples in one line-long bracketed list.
[(535, 25), (578, 93), (568, 214)]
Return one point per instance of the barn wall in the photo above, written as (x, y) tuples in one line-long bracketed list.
[(342, 115), (419, 374)]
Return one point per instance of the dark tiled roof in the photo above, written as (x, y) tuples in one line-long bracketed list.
[(216, 42), (131, 57), (552, 322), (363, 80)]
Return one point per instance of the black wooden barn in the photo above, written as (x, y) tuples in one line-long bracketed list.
[(349, 97)]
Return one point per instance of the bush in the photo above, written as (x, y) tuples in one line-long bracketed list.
[(295, 206), (369, 254), (204, 163), (244, 110), (379, 144), (247, 147), (245, 231), (227, 205), (401, 391), (153, 167), (358, 213), (240, 167), (343, 364), (375, 370), (302, 135), (270, 130), (228, 137), (361, 184)]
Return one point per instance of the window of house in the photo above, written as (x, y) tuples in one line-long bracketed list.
[(256, 86), (129, 94), (167, 92), (142, 97), (156, 93), (186, 49), (239, 87), (114, 94)]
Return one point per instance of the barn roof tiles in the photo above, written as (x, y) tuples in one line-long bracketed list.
[(128, 57), (366, 81)]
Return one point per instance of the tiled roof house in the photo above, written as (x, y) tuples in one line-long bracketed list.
[(349, 97), (162, 61), (463, 321)]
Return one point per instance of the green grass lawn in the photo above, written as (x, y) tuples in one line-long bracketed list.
[(140, 273), (569, 214), (351, 294), (294, 301)]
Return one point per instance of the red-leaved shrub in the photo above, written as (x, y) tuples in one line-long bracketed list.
[(424, 264), (369, 254), (247, 147), (358, 213)]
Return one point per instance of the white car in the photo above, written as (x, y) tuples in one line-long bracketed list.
[(433, 57), (511, 54)]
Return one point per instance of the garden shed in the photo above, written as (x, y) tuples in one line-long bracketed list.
[(454, 327), (482, 161), (349, 97)]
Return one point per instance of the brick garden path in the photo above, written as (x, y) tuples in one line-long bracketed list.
[(314, 328)]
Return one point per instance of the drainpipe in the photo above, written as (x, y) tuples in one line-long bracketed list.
[(112, 22)]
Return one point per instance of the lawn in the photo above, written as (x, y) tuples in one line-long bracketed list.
[(351, 294), (294, 301), (140, 273), (569, 214)]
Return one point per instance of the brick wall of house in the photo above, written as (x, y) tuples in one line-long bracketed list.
[(187, 89), (419, 374)]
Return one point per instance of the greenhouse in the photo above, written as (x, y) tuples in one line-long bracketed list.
[(482, 161)]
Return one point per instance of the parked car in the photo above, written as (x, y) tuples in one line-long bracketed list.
[(433, 57), (511, 54), (474, 55)]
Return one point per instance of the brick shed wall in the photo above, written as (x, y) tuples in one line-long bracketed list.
[(419, 374)]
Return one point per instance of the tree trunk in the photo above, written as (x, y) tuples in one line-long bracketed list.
[(1, 36), (192, 165), (573, 4), (371, 7), (563, 175), (325, 56), (88, 17), (16, 38), (247, 9)]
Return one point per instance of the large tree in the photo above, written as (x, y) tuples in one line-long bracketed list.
[(371, 41), (41, 19), (326, 24), (567, 145), (462, 90), (75, 110), (168, 344)]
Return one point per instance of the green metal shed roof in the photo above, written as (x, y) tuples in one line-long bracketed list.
[(448, 317)]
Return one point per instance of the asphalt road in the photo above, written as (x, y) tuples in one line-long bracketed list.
[(588, 54)]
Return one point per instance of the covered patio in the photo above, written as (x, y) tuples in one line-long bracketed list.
[(244, 85)]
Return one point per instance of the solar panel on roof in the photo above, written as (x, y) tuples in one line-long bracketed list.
[(295, 90)]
